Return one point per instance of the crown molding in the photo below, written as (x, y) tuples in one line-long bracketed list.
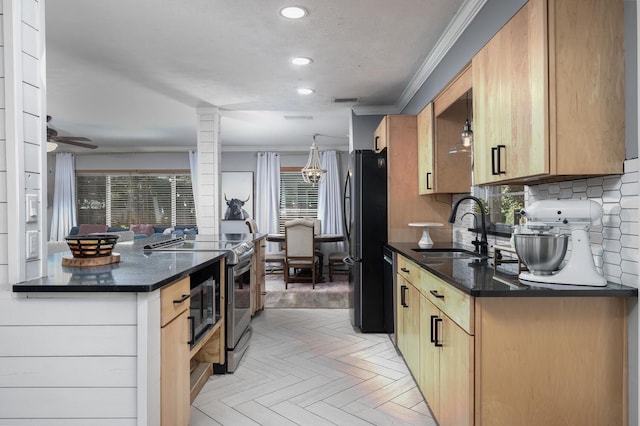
[(454, 30), (290, 149), (375, 109)]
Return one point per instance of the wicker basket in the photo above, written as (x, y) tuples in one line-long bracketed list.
[(93, 245)]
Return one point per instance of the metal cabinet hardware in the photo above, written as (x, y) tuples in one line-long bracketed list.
[(403, 298), (437, 340), (182, 299), (496, 167), (436, 294), (433, 334)]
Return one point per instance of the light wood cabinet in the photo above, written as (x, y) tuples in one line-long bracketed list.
[(548, 89), (404, 204), (513, 360), (380, 135), (409, 323), (426, 175), (429, 374), (439, 126), (175, 354)]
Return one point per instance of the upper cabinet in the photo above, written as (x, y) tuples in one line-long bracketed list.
[(380, 135), (549, 94), (404, 204), (440, 124), (425, 151)]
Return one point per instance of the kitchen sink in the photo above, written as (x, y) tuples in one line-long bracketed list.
[(448, 253)]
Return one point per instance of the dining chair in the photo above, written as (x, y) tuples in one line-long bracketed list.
[(252, 225), (317, 230), (269, 257), (299, 250), (337, 259)]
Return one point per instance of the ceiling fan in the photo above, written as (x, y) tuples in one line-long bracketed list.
[(52, 136)]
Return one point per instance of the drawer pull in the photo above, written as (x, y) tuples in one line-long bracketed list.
[(405, 270), (182, 299), (433, 334), (437, 340), (403, 298), (436, 294)]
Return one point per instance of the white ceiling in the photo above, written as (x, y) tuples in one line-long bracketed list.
[(129, 75)]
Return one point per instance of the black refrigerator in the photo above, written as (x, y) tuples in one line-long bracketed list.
[(365, 213)]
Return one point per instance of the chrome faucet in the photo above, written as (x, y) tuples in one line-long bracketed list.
[(484, 245)]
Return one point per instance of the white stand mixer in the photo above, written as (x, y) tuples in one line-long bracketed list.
[(578, 215)]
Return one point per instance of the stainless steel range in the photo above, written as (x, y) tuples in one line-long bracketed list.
[(239, 250)]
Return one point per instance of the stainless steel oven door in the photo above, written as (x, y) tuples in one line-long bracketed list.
[(238, 315)]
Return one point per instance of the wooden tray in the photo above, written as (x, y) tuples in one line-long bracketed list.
[(69, 260)]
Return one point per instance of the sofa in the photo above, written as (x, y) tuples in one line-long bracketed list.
[(139, 230)]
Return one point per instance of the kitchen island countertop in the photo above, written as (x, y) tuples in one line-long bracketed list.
[(137, 271), (478, 278)]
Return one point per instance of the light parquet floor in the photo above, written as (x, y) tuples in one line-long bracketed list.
[(309, 367)]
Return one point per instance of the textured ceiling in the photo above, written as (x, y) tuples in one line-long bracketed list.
[(130, 74)]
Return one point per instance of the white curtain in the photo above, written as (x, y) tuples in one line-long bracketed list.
[(268, 195), (193, 164), (330, 202), (64, 198)]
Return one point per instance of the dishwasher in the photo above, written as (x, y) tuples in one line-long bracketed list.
[(388, 290)]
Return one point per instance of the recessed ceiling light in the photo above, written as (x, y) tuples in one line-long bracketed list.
[(305, 91), (301, 61), (294, 12)]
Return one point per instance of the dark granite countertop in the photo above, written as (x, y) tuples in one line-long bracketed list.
[(477, 277), (137, 271)]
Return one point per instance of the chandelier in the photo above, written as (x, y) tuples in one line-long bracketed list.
[(313, 172)]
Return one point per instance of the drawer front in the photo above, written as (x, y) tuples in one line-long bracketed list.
[(409, 270), (452, 302), (174, 299)]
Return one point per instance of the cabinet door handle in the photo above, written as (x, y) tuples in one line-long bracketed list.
[(437, 339), (405, 270), (501, 147), (182, 299), (494, 151), (433, 334), (428, 186), (436, 294), (403, 298), (375, 143), (192, 328)]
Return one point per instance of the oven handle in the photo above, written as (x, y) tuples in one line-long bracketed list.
[(234, 271)]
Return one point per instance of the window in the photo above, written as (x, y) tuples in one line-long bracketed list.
[(298, 199), (122, 199), (504, 203)]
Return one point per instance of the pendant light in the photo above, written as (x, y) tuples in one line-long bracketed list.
[(467, 133), (313, 172), (466, 136)]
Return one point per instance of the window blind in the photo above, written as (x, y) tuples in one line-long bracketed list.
[(298, 199), (131, 198)]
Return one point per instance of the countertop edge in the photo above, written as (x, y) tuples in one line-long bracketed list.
[(621, 291), (26, 287)]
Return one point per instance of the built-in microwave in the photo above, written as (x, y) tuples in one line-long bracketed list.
[(205, 302)]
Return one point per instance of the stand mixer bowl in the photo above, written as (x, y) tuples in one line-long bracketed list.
[(542, 253)]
